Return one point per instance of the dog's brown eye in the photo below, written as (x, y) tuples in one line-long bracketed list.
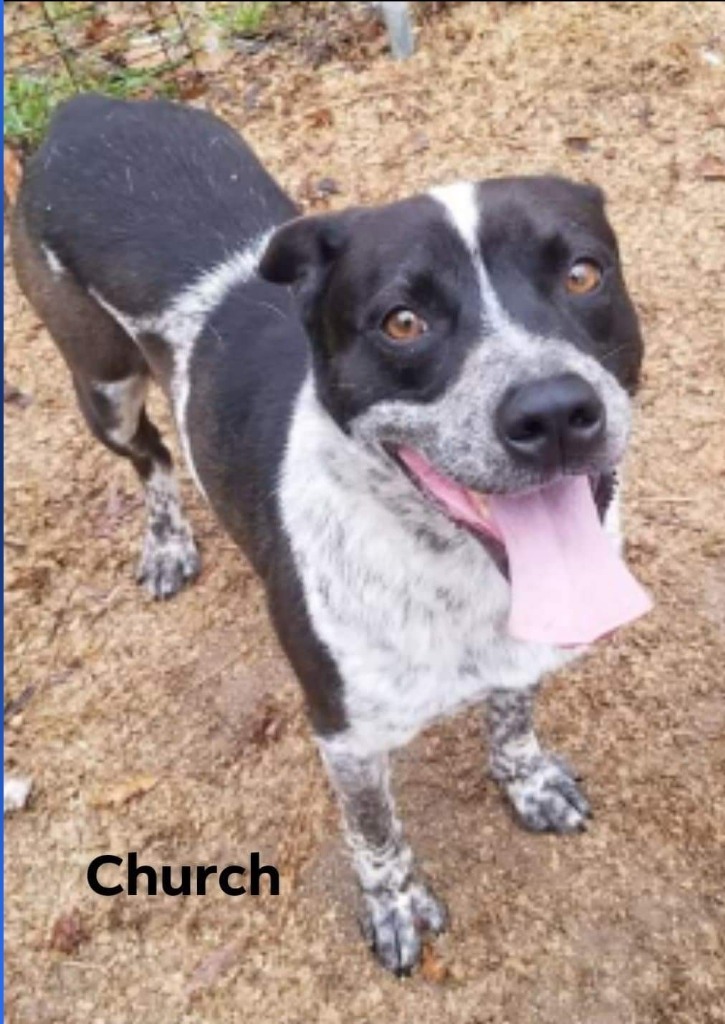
[(583, 277), (404, 325)]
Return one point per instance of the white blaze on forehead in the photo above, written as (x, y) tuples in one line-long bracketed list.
[(463, 209), (461, 205)]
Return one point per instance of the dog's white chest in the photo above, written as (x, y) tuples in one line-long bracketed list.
[(411, 608)]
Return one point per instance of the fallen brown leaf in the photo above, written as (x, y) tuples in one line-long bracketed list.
[(116, 796), (98, 28), (212, 967), (578, 143), (266, 725), (320, 118), (432, 967), (145, 52), (191, 85), (711, 168), (67, 933), (419, 143), (715, 117), (16, 704)]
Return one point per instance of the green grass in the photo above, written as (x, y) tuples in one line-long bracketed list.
[(28, 102), (240, 19), (29, 99), (60, 9)]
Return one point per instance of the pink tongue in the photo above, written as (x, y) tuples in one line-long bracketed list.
[(568, 584)]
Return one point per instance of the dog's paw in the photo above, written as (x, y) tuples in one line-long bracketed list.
[(546, 797), (397, 922), (168, 561)]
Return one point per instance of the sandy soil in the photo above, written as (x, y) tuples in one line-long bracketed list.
[(623, 924)]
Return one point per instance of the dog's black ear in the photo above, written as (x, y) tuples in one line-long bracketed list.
[(300, 251)]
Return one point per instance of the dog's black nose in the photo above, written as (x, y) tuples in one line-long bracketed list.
[(551, 423)]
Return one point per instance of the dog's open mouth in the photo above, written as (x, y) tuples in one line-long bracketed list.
[(568, 584)]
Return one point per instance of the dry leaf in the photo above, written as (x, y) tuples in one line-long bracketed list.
[(191, 85), (120, 794), (578, 143), (13, 173), (98, 28), (67, 933), (712, 168), (432, 967), (265, 724), (419, 143), (16, 704), (320, 118), (212, 967), (145, 52), (715, 116)]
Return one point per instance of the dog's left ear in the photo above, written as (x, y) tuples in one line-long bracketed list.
[(301, 252)]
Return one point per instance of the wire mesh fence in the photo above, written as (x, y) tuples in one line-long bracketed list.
[(127, 49), (82, 39), (174, 49)]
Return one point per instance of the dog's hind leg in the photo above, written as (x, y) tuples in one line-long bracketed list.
[(111, 377), (541, 787), (115, 411), (400, 908)]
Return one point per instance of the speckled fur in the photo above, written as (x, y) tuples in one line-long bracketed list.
[(412, 608), (540, 786), (391, 614), (169, 558), (399, 906)]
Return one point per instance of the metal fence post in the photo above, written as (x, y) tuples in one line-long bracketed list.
[(399, 24)]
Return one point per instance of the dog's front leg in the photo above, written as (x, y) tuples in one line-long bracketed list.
[(541, 787), (399, 907)]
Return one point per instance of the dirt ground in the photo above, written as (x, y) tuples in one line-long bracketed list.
[(623, 924)]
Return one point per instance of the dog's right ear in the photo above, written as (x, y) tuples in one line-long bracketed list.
[(301, 252)]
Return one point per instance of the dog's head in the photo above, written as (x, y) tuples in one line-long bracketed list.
[(485, 325), (480, 341), (480, 336)]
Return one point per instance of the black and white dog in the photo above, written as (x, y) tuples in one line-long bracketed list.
[(408, 417)]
